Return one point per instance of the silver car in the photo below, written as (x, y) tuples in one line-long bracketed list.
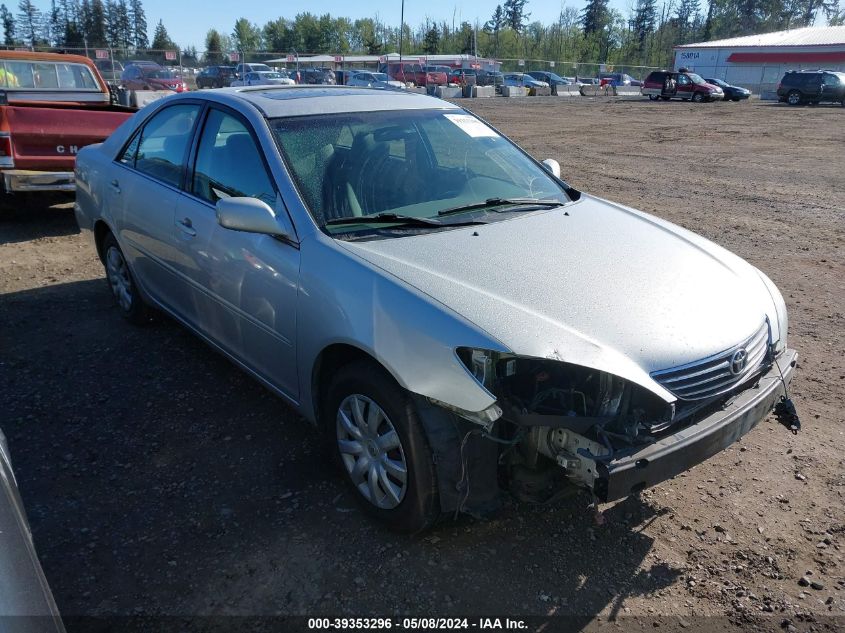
[(447, 310)]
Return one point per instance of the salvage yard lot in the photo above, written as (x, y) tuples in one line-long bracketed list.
[(159, 479)]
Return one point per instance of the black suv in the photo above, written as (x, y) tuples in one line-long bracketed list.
[(812, 86), (216, 77)]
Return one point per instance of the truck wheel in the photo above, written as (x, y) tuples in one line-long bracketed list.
[(122, 284), (794, 98), (698, 97), (379, 442)]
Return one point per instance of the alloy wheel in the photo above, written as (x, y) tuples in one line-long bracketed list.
[(119, 280), (371, 451), (794, 98)]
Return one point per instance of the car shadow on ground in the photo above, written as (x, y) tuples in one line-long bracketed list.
[(36, 218), (161, 480)]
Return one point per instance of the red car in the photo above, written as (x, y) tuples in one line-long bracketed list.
[(662, 84), (413, 72), (151, 76)]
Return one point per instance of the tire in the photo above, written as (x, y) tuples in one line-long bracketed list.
[(698, 97), (122, 284), (654, 97), (398, 440), (793, 98)]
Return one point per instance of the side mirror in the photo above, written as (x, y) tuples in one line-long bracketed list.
[(553, 166), (251, 215)]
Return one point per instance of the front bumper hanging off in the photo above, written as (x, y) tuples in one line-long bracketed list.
[(671, 455)]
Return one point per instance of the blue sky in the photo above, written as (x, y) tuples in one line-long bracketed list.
[(188, 22)]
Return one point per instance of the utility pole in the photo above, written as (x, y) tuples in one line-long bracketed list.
[(401, 36)]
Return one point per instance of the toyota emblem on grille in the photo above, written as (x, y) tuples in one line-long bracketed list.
[(738, 361)]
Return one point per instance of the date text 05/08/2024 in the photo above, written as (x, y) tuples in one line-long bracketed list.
[(411, 624)]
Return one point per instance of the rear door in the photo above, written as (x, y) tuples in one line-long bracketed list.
[(144, 192)]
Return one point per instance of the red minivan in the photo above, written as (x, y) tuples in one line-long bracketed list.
[(662, 84), (414, 72)]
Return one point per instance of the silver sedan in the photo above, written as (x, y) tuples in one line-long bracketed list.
[(449, 312)]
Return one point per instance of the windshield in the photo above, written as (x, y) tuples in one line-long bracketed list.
[(379, 77), (163, 74), (259, 68), (271, 75), (409, 162), (696, 79)]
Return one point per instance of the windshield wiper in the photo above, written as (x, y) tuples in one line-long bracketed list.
[(499, 202), (399, 220)]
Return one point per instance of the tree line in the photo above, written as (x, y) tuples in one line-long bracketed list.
[(645, 35)]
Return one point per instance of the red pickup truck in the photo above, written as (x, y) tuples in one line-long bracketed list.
[(51, 106)]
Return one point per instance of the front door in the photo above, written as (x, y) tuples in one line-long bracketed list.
[(243, 285), (685, 87)]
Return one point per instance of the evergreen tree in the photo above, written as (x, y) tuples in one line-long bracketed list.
[(213, 48), (29, 22), (595, 16), (645, 20), (431, 41), (95, 24), (515, 15), (8, 25), (494, 25), (246, 36), (161, 40), (138, 22), (685, 17)]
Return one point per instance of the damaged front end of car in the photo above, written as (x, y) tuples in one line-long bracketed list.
[(557, 423)]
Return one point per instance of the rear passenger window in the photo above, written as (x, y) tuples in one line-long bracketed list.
[(229, 163), (164, 143)]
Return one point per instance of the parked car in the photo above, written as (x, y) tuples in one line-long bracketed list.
[(242, 69), (151, 77), (463, 77), (415, 73), (53, 105), (688, 86), (216, 77), (549, 77), (523, 79), (26, 602), (620, 79), (322, 76), (732, 93), (812, 86), (342, 76), (110, 70), (436, 335), (374, 80), (491, 78), (263, 78)]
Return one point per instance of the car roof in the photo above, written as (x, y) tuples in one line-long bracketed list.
[(303, 100)]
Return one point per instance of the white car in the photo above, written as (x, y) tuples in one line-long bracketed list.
[(374, 80), (264, 78)]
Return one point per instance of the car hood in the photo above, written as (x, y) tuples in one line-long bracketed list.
[(592, 283)]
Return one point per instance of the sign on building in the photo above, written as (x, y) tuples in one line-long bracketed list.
[(551, 64), (338, 59), (291, 58), (520, 62), (234, 57), (102, 53), (170, 55)]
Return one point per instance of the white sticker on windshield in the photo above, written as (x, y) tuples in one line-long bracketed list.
[(471, 126)]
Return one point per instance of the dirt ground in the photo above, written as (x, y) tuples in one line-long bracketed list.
[(159, 479)]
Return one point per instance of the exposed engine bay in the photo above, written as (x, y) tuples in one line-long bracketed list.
[(561, 422)]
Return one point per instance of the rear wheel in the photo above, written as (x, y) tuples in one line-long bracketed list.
[(380, 445), (124, 290), (794, 98)]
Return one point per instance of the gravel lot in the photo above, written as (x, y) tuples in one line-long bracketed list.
[(159, 479)]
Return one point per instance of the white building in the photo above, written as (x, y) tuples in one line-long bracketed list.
[(758, 62)]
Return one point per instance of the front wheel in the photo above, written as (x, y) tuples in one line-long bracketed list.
[(124, 290), (379, 442), (794, 98), (654, 97), (698, 97)]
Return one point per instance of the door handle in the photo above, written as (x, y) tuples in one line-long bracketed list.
[(187, 227), (115, 185)]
